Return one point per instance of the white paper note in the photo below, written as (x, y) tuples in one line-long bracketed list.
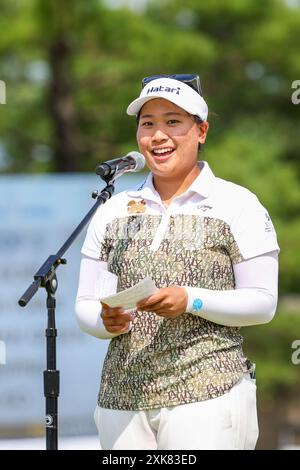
[(128, 298)]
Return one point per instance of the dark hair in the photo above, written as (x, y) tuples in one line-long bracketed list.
[(198, 121)]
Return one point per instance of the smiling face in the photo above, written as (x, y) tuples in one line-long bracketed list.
[(168, 137)]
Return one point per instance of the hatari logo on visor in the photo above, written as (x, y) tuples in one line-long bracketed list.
[(167, 89)]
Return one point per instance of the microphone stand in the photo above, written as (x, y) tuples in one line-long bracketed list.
[(46, 277)]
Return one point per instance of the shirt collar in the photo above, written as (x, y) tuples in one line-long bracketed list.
[(202, 184)]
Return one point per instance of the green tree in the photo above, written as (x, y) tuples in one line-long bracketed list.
[(254, 126), (71, 68)]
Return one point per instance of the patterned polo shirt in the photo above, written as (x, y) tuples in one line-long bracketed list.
[(194, 242)]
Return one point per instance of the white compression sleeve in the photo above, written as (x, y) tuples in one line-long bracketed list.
[(252, 302), (90, 289)]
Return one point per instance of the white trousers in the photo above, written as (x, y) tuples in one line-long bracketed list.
[(226, 422)]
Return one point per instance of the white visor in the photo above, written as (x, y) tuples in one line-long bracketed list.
[(172, 90)]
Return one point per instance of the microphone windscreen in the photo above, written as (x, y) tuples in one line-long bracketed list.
[(139, 159)]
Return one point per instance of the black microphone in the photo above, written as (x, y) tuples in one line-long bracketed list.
[(133, 161)]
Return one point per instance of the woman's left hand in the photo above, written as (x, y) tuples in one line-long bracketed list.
[(168, 302)]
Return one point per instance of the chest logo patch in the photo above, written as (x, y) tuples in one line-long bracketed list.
[(136, 207)]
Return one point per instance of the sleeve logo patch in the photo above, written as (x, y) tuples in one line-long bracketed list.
[(268, 223)]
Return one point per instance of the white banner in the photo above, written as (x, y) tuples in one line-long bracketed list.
[(37, 214)]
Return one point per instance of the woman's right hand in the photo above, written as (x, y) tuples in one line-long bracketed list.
[(115, 319)]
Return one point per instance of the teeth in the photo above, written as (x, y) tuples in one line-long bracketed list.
[(160, 151)]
